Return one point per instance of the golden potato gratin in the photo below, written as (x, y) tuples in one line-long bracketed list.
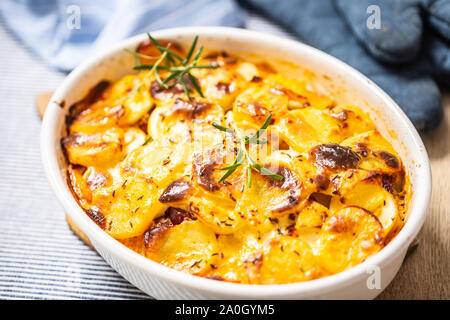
[(226, 169)]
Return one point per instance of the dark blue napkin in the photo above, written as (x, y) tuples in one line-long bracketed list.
[(405, 56)]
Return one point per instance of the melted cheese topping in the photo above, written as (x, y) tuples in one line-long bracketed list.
[(145, 164)]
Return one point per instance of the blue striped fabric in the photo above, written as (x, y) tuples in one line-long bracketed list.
[(40, 258)]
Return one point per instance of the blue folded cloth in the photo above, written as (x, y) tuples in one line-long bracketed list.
[(404, 57), (64, 32)]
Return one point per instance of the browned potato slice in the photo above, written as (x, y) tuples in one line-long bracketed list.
[(372, 197), (214, 202), (159, 161), (284, 260), (350, 120), (216, 209), (349, 237), (133, 139), (128, 210), (225, 82), (136, 105), (299, 93), (305, 128), (311, 235), (97, 149), (187, 121), (313, 215), (254, 105), (100, 116), (232, 254), (132, 93), (269, 197), (187, 247), (128, 100), (376, 153)]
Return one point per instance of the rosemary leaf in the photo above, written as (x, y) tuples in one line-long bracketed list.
[(140, 55), (206, 66), (149, 67), (191, 51), (185, 87), (196, 85), (147, 140), (269, 173), (197, 55), (228, 173), (249, 170), (171, 76), (261, 130), (222, 128)]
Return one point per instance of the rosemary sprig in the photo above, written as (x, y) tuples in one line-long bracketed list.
[(243, 155), (179, 69)]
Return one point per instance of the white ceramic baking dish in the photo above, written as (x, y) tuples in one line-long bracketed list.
[(164, 283)]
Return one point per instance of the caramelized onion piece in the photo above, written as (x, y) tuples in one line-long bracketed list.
[(290, 183), (95, 214), (189, 108), (175, 191), (389, 159), (172, 217), (204, 168), (334, 156)]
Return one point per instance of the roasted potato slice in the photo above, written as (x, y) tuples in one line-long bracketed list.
[(376, 153), (349, 237), (187, 247), (128, 210), (147, 48), (128, 100), (269, 197), (99, 117), (201, 194), (187, 121), (214, 202), (132, 93), (372, 197), (137, 105), (350, 120), (310, 235), (253, 106), (305, 128), (159, 161), (95, 149), (299, 93), (283, 260), (133, 139), (225, 82), (216, 210), (232, 254), (313, 215)]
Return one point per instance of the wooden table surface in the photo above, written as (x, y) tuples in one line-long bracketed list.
[(425, 274)]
